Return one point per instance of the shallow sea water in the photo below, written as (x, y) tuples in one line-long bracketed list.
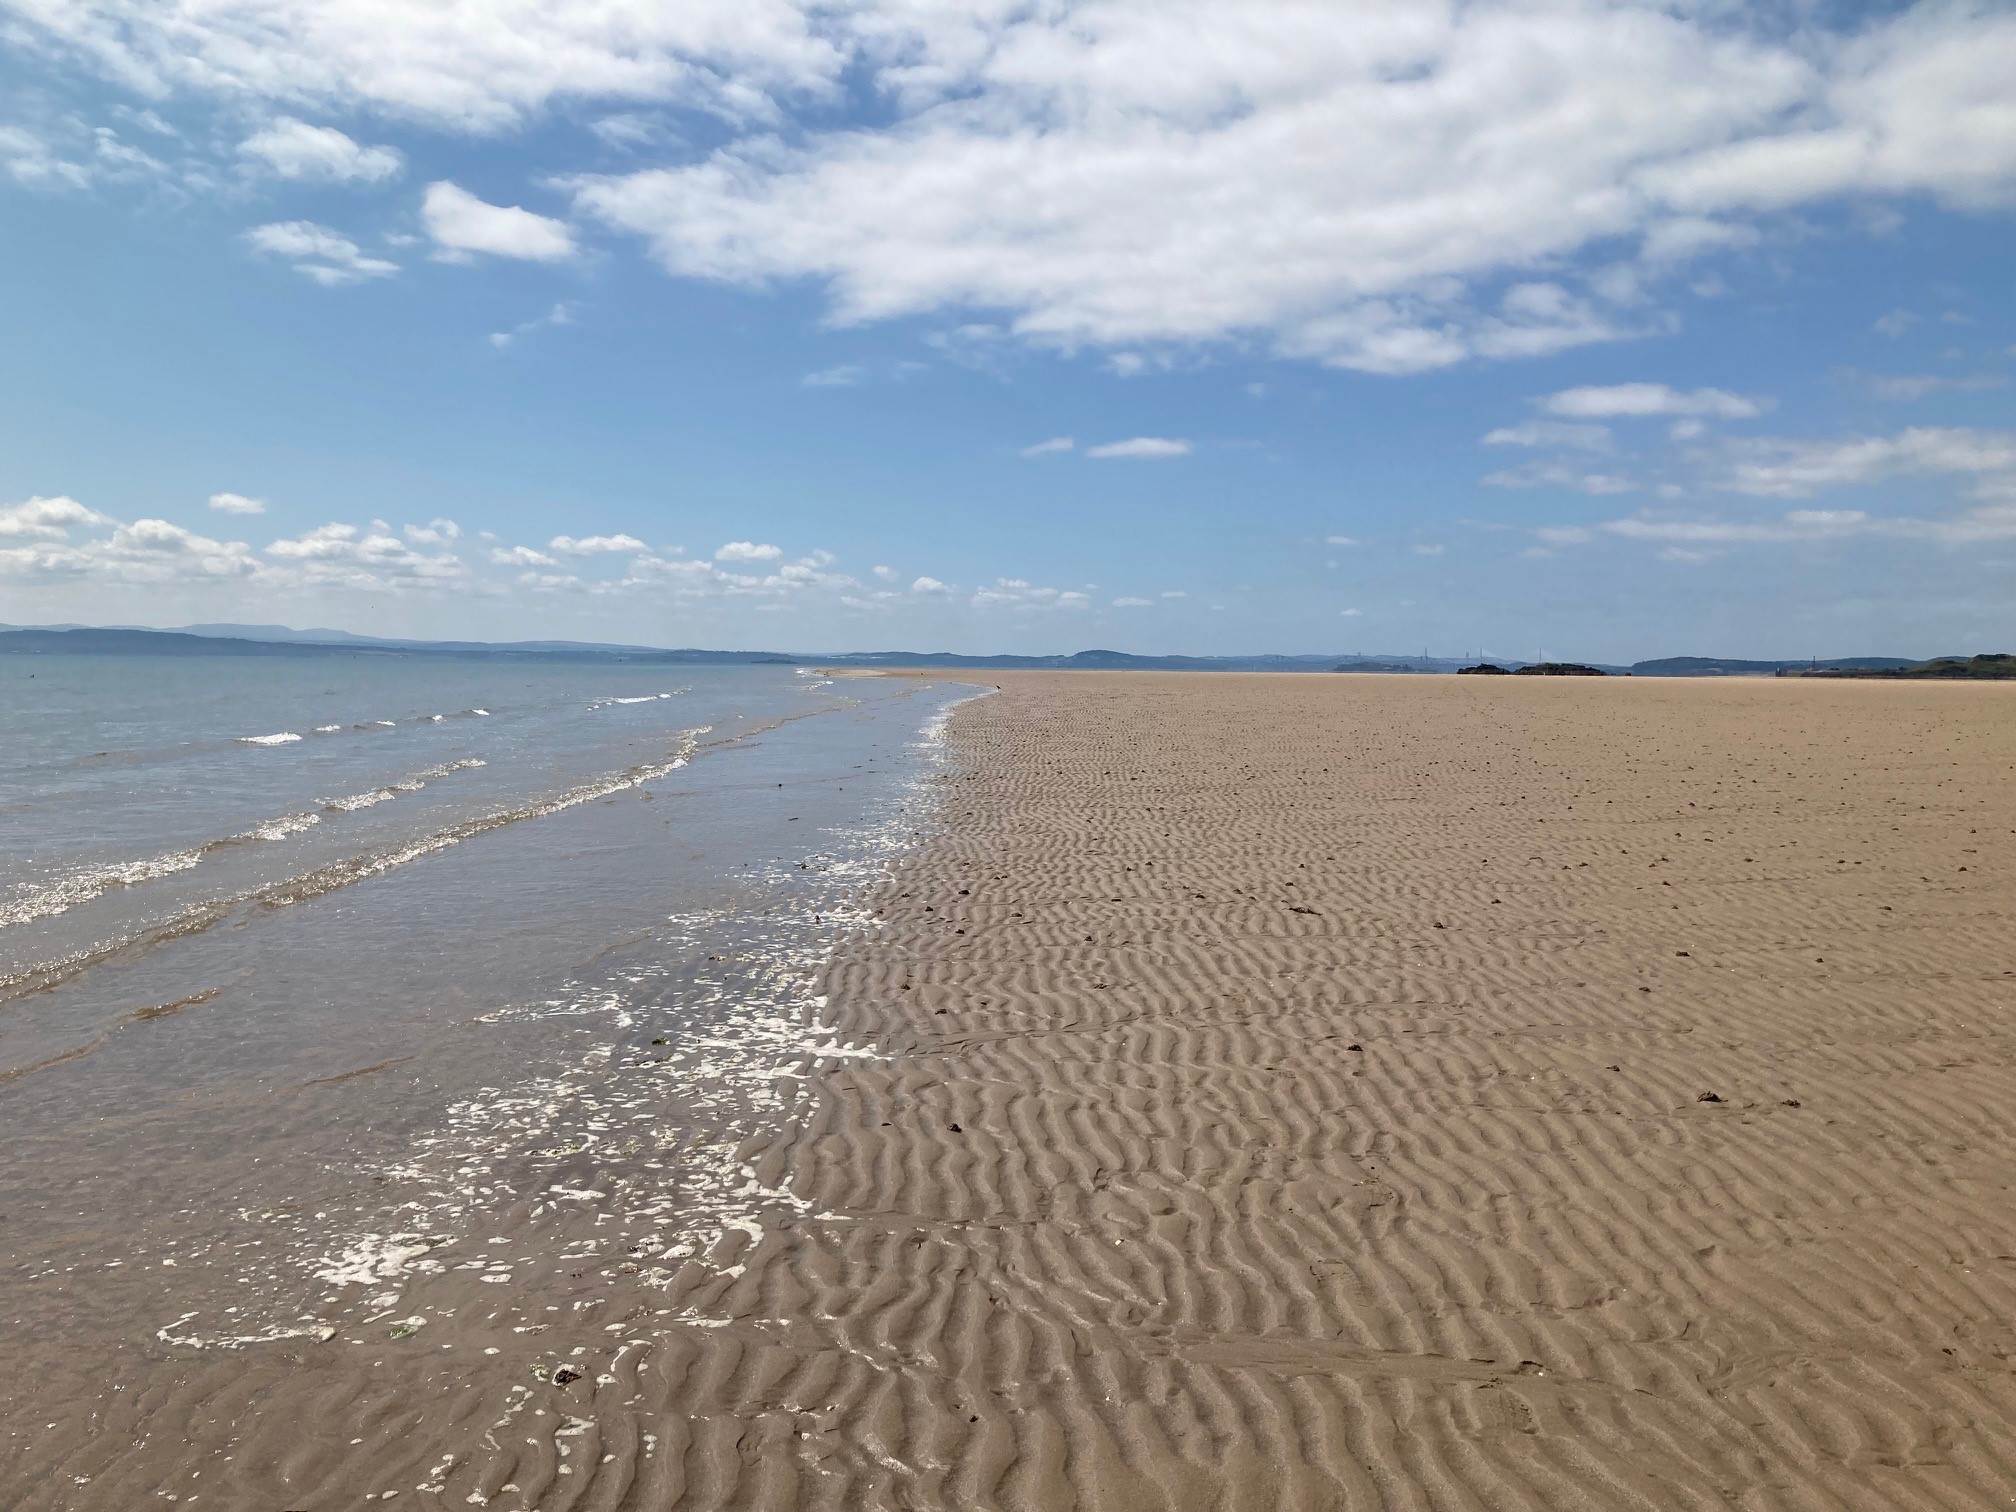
[(489, 968)]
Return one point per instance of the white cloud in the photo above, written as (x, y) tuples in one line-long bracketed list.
[(1541, 474), (1896, 323), (482, 65), (294, 149), (847, 375), (1776, 468), (1991, 520), (591, 545), (237, 504), (1014, 593), (1049, 448), (886, 574), (1174, 593), (327, 256), (1551, 433), (1340, 540), (1638, 399), (434, 533), (1132, 603), (46, 519), (1355, 184), (369, 558), (1909, 386), (562, 314), (142, 552), (1337, 182), (521, 556), (930, 587), (1141, 448), (748, 551), (462, 224), (1350, 613)]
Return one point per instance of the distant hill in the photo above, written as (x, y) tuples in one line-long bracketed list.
[(1718, 666), (281, 640), (1997, 666)]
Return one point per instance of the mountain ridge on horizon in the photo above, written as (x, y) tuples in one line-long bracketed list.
[(281, 640)]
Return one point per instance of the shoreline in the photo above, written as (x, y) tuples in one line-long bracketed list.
[(1256, 1091)]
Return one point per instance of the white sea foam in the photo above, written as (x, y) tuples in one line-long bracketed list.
[(327, 729), (411, 784), (636, 698), (285, 825), (94, 882), (285, 737)]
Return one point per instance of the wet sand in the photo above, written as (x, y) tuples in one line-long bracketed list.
[(1288, 1092)]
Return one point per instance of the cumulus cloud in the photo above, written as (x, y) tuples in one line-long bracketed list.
[(1340, 183), (1365, 186), (237, 504), (846, 375), (1909, 386), (521, 556), (327, 256), (61, 538), (1132, 603), (46, 519), (886, 574), (1540, 474), (292, 149), (591, 545), (1552, 433), (1639, 399), (434, 533), (1798, 469), (1014, 593), (1141, 448), (462, 224), (482, 65), (369, 557), (1994, 521), (748, 551), (1049, 448), (930, 587), (562, 314)]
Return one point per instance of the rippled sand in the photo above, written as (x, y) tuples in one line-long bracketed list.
[(1304, 1092)]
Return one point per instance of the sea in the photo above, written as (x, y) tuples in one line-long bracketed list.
[(314, 970)]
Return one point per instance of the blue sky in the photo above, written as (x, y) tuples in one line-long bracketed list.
[(1616, 330)]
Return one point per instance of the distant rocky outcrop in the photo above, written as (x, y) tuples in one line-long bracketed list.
[(1559, 669), (1482, 669)]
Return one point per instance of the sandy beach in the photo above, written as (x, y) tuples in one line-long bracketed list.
[(1406, 1093), (1287, 1093)]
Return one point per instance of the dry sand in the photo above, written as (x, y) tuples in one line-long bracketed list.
[(1420, 1093), (1304, 1092)]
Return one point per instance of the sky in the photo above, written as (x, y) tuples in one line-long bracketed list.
[(1601, 329)]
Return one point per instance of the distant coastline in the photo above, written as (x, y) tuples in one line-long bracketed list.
[(282, 641)]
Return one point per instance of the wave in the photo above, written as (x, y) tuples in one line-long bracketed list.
[(285, 737), (411, 784), (332, 875), (637, 698), (94, 882)]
